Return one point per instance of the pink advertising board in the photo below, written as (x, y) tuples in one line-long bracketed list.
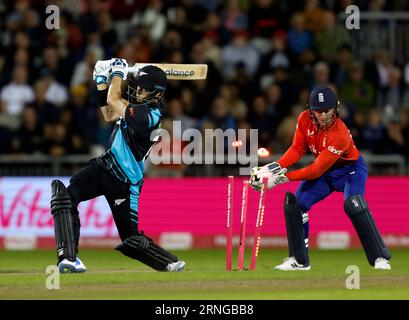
[(185, 212)]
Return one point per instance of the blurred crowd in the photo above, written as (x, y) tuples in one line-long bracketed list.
[(264, 57)]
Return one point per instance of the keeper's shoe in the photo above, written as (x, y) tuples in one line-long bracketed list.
[(382, 264), (290, 264), (67, 266), (177, 266)]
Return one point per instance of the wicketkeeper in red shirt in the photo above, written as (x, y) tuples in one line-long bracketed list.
[(338, 166)]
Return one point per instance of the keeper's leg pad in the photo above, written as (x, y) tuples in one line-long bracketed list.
[(63, 224), (358, 212), (143, 249), (295, 229)]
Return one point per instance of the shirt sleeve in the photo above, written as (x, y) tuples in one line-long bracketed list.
[(336, 146), (298, 147), (142, 117)]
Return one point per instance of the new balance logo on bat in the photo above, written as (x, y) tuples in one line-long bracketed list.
[(187, 73)]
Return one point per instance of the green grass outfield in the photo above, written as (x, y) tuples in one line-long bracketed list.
[(113, 276)]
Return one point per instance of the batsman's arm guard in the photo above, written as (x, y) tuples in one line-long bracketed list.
[(61, 209), (358, 212), (143, 249), (295, 229)]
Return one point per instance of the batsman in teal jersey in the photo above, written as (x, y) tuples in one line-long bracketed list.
[(118, 173)]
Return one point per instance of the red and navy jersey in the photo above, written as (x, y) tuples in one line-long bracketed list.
[(332, 146)]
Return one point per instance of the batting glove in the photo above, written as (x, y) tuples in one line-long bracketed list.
[(119, 68), (101, 71)]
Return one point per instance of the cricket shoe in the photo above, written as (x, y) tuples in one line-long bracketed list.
[(290, 264), (177, 266), (382, 264), (67, 266)]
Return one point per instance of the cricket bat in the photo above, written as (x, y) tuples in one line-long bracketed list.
[(176, 71)]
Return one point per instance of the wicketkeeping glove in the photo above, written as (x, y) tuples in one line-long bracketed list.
[(101, 71), (119, 68), (272, 171)]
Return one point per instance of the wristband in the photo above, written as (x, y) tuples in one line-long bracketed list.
[(102, 96)]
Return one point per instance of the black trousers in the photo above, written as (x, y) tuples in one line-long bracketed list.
[(93, 181)]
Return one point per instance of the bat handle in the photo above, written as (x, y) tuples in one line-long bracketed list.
[(135, 68)]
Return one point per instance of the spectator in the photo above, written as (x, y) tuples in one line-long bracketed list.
[(273, 95), (28, 138), (265, 17), (314, 16), (152, 19), (374, 133), (53, 63), (32, 26), (212, 52), (109, 36), (237, 107), (340, 68), (175, 110), (285, 130), (331, 37), (59, 141), (389, 100), (405, 102), (46, 111), (3, 74), (288, 89), (213, 29), (219, 115), (172, 41), (321, 75), (85, 120), (17, 93), (277, 56), (56, 93), (83, 67), (245, 84), (378, 71), (240, 51), (299, 39), (5, 132), (233, 18), (357, 93), (263, 121), (396, 142)]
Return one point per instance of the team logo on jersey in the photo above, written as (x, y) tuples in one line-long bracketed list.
[(334, 151), (313, 149), (320, 97), (324, 142), (310, 133), (132, 112)]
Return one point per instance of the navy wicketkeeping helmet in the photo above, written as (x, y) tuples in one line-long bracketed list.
[(322, 99)]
